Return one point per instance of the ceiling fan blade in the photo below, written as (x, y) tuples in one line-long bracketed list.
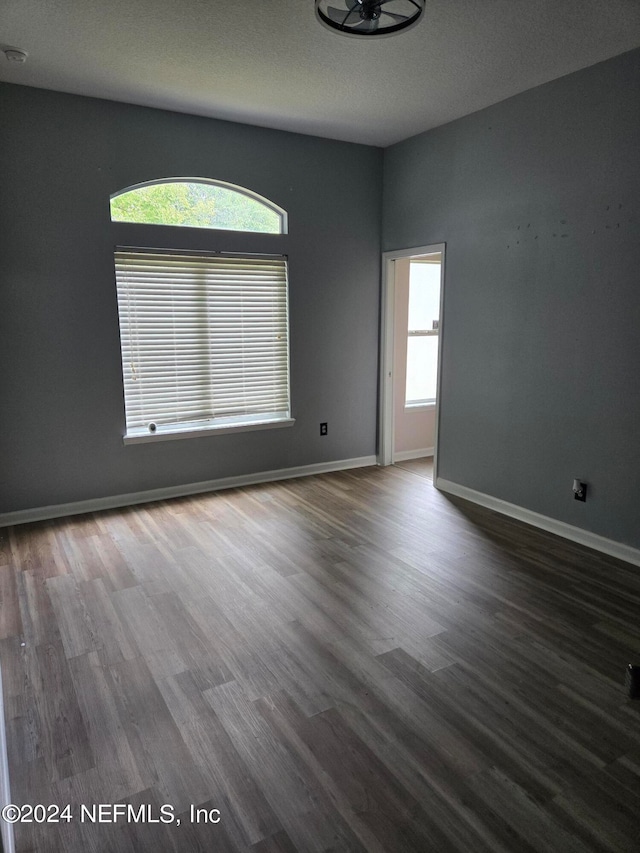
[(367, 26), (397, 18), (343, 16), (413, 2)]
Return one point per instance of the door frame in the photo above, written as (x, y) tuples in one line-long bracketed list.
[(387, 336)]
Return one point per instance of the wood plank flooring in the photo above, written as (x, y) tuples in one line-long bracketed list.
[(346, 662), (422, 466)]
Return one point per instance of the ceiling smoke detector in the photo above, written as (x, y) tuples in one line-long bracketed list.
[(15, 54), (369, 18)]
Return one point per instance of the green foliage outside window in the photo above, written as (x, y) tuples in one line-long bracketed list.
[(196, 205)]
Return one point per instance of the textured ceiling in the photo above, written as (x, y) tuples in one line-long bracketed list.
[(269, 62)]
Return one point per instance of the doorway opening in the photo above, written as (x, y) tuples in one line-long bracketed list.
[(411, 347)]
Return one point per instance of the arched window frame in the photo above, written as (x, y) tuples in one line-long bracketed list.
[(203, 241), (280, 212)]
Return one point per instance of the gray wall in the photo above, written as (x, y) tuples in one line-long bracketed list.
[(61, 398), (537, 200)]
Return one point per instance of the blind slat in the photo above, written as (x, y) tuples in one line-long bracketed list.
[(202, 337)]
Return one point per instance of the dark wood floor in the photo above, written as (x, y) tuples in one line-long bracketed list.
[(422, 466), (344, 662)]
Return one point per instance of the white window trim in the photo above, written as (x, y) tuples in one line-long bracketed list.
[(170, 433), (275, 208), (155, 237), (420, 405), (412, 405)]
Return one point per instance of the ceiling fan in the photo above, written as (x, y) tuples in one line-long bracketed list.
[(369, 17)]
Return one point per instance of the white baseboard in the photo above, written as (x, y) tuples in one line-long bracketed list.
[(551, 525), (6, 829), (25, 516), (404, 455)]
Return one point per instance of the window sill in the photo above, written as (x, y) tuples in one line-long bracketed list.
[(412, 407), (190, 431)]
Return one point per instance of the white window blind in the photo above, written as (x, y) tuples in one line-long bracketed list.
[(204, 339)]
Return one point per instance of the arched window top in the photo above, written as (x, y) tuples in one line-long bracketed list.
[(198, 203)]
